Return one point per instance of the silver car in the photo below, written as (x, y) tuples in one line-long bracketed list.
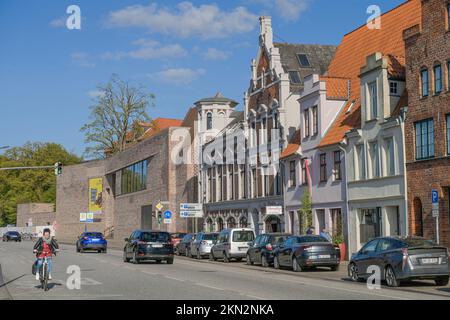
[(401, 259), (201, 247)]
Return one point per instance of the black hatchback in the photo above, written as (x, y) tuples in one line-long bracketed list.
[(12, 236), (261, 250), (148, 245)]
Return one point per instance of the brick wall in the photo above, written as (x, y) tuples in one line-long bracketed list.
[(426, 46), (41, 214)]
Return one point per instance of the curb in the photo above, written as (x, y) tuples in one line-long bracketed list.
[(3, 288)]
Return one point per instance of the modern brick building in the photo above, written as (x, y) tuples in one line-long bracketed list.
[(35, 214), (428, 119)]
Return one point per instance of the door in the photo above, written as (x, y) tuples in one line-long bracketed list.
[(146, 217), (366, 256), (320, 214), (256, 249), (284, 255)]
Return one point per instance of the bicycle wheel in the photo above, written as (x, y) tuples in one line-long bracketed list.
[(45, 276)]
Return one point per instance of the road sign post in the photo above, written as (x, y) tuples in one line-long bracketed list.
[(435, 204)]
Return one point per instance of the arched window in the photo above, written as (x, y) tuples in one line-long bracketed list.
[(243, 222), (209, 225), (219, 224), (417, 224), (209, 121), (231, 222)]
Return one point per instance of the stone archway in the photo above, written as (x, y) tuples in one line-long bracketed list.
[(417, 218), (220, 224), (272, 224)]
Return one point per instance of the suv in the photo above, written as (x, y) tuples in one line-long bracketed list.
[(148, 245), (232, 244)]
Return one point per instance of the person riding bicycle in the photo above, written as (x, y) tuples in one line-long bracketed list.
[(45, 247)]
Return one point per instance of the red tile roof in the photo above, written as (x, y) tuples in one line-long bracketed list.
[(351, 56), (337, 88), (158, 125), (293, 145)]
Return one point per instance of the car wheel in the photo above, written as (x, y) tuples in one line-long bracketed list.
[(295, 265), (170, 261), (248, 260), (212, 257), (135, 258), (158, 261), (105, 251), (335, 268), (276, 262), (226, 259), (78, 249), (99, 251), (353, 272), (125, 259), (391, 279), (264, 262), (441, 281)]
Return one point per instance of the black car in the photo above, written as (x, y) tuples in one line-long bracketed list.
[(12, 236), (148, 245), (184, 246), (94, 241), (262, 248), (400, 259), (304, 252)]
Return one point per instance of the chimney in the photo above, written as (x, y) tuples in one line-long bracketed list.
[(266, 35)]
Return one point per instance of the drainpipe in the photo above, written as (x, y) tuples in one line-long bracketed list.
[(402, 120), (346, 200)]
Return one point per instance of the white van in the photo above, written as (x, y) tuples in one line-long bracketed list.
[(232, 244)]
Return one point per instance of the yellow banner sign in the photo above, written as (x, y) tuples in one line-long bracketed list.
[(95, 195)]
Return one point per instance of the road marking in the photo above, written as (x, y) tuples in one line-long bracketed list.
[(208, 286), (173, 278), (255, 297)]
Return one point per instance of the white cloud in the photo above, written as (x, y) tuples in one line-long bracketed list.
[(58, 23), (82, 59), (286, 9), (181, 76), (215, 54), (186, 20), (148, 49), (95, 93)]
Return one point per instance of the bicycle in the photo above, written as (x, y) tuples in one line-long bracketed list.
[(43, 274)]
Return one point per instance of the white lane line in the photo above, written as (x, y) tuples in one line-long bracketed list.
[(254, 297), (208, 286), (173, 278), (151, 273)]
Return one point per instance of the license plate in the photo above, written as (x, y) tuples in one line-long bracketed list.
[(324, 256), (95, 240), (243, 248), (429, 260), (157, 245)]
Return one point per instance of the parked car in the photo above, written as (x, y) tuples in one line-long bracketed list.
[(309, 251), (400, 259), (184, 246), (232, 244), (12, 236), (148, 245), (201, 247), (261, 250), (176, 237), (94, 241)]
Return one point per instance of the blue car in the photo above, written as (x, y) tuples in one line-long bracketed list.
[(94, 241)]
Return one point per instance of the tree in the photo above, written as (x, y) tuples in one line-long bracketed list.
[(115, 115), (305, 212), (22, 186)]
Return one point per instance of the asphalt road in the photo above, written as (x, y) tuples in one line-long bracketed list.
[(106, 276)]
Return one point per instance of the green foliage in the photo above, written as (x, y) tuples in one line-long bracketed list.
[(305, 212), (114, 117), (338, 239), (22, 186)]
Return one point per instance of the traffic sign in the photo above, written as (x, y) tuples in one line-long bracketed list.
[(191, 210), (435, 213), (434, 196), (83, 217), (159, 206), (168, 214), (167, 221), (90, 217)]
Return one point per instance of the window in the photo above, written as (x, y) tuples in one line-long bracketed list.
[(323, 167), (373, 100), (315, 121), (292, 182), (294, 77), (306, 117), (220, 182), (448, 134), (361, 160), (304, 177), (390, 157), (437, 79), (424, 78), (209, 121), (303, 60), (393, 88), (254, 184), (337, 174), (336, 218), (448, 75), (242, 180), (134, 177), (424, 139), (375, 160)]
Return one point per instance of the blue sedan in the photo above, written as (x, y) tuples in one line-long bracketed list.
[(94, 241)]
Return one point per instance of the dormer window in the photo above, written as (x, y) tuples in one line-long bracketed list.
[(303, 60), (294, 77), (393, 88), (209, 121)]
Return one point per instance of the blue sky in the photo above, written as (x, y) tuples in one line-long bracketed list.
[(180, 51)]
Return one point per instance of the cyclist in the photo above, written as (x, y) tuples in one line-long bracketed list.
[(45, 247)]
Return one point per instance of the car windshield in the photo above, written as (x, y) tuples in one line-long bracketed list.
[(419, 242), (14, 233), (312, 239), (93, 235), (278, 239), (210, 236), (154, 237), (243, 236)]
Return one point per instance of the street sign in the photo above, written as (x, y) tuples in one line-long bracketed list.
[(434, 196), (191, 210), (83, 217), (168, 214), (90, 217), (159, 206), (167, 221), (274, 210), (435, 213)]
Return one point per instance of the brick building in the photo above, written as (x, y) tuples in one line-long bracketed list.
[(428, 119), (35, 214)]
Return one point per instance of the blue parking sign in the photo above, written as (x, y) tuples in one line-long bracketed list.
[(434, 196), (168, 214)]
